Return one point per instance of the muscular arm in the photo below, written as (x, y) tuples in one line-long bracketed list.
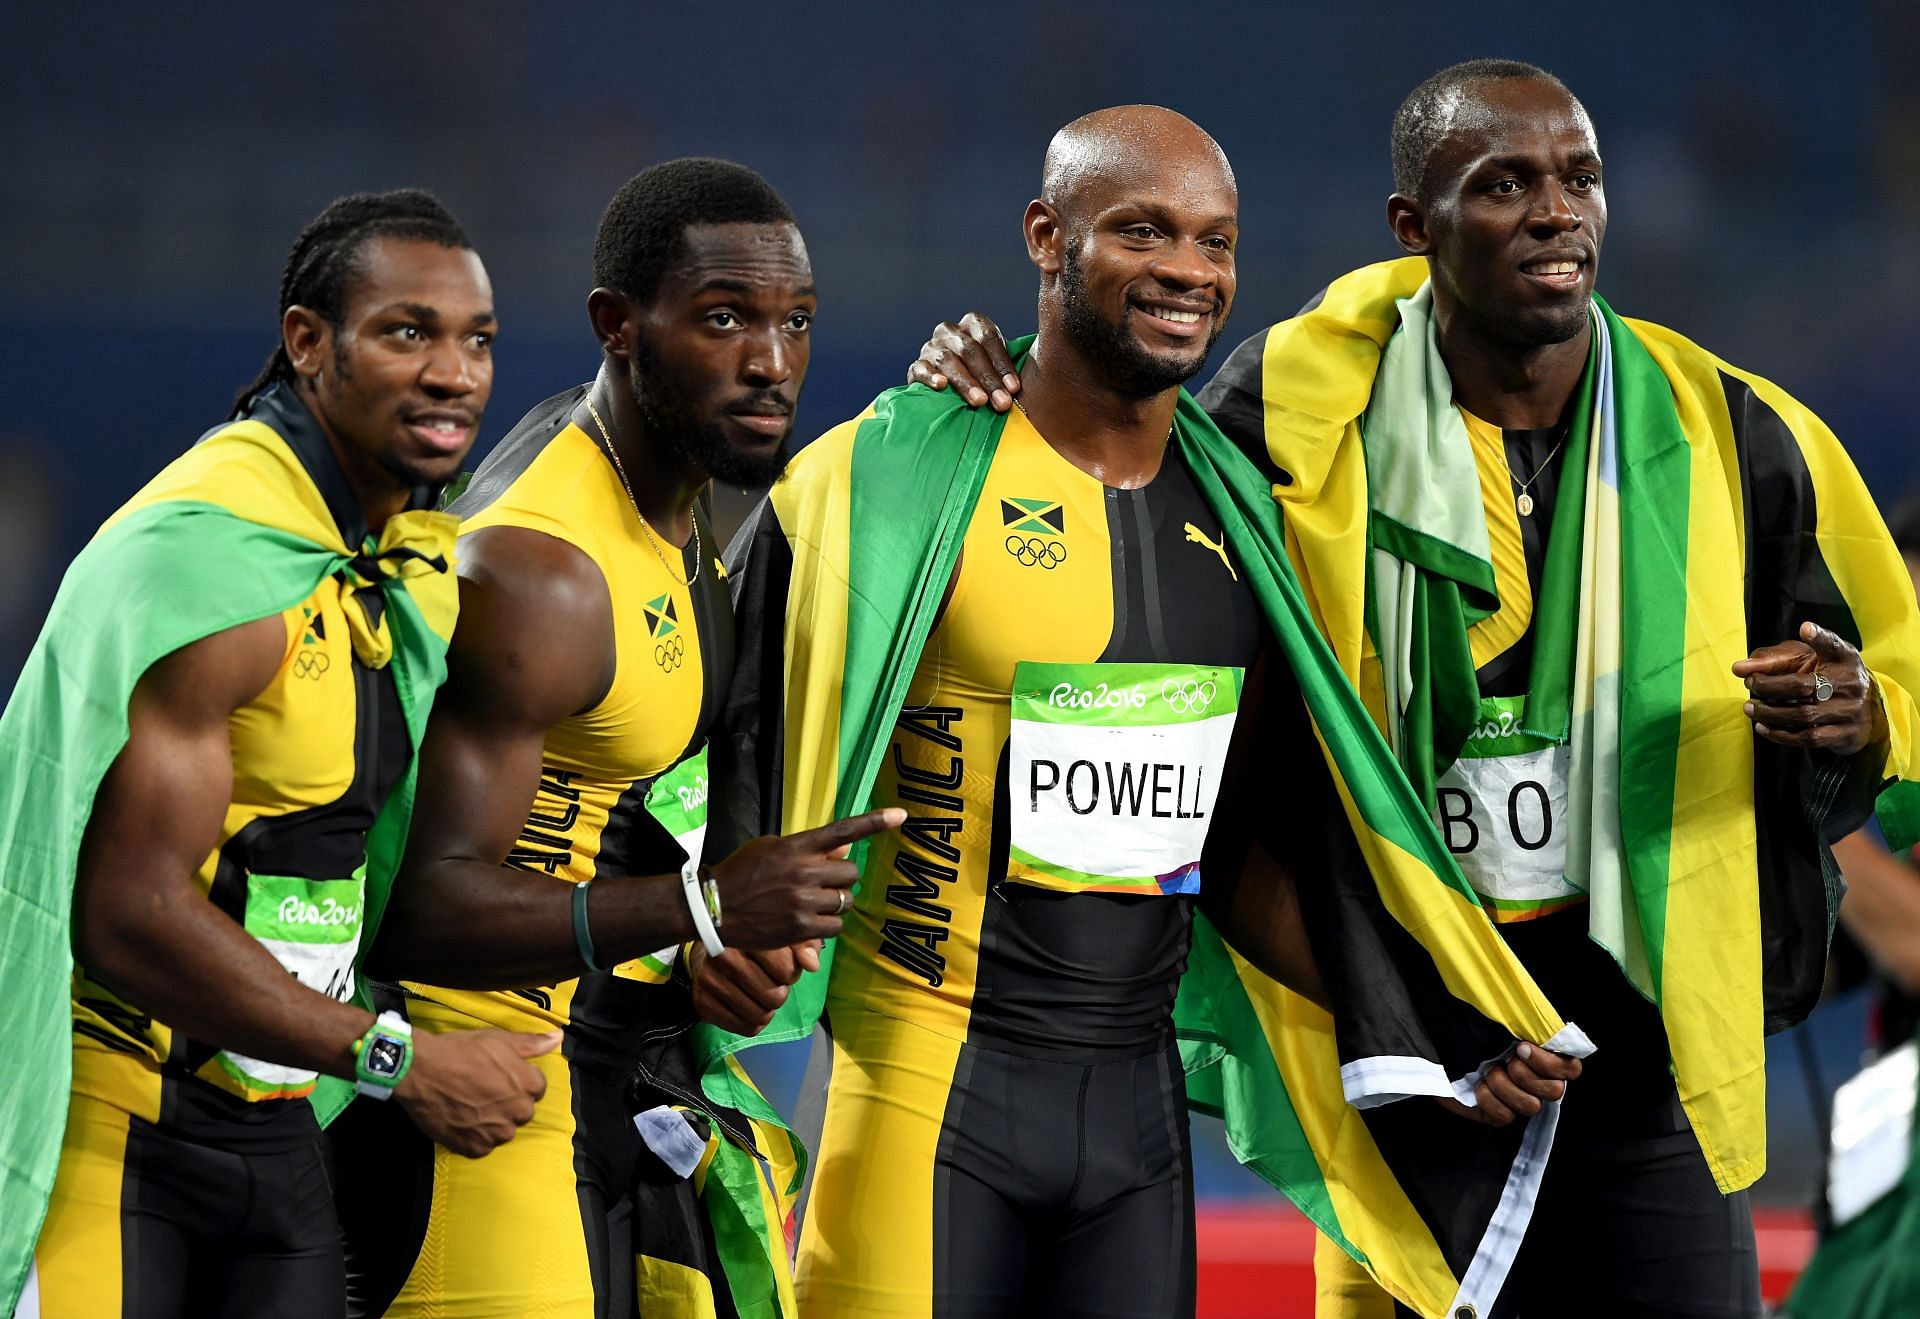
[(534, 645), (141, 923)]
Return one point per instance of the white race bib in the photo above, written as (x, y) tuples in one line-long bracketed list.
[(1112, 774), (1502, 810), (312, 928)]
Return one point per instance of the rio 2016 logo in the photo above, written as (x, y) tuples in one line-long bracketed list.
[(1033, 551), (1188, 696), (1066, 696)]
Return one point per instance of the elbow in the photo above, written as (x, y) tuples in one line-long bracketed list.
[(114, 945)]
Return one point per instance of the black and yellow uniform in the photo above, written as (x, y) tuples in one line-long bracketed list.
[(191, 1179), (541, 1226), (1006, 1127)]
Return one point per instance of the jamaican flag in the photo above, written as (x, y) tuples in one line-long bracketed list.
[(235, 529), (838, 578), (1718, 515)]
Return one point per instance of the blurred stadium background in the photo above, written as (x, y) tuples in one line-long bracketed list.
[(1763, 173)]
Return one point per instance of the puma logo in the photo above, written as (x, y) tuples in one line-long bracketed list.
[(1199, 537)]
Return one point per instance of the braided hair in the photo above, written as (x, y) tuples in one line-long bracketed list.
[(326, 260)]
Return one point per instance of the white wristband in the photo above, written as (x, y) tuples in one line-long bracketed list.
[(697, 904)]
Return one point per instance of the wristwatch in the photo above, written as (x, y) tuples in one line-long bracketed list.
[(383, 1055)]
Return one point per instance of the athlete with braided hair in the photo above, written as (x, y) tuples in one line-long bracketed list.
[(204, 765)]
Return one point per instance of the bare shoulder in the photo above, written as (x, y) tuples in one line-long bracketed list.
[(216, 675), (536, 624)]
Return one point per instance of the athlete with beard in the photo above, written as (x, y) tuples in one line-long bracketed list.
[(1637, 632), (570, 741), (1064, 699)]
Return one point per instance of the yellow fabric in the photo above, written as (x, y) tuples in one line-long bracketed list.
[(1364, 1193), (1342, 1287), (886, 957), (504, 1238), (1317, 372), (594, 759), (77, 1258), (666, 1288), (1494, 634), (866, 1245), (813, 502)]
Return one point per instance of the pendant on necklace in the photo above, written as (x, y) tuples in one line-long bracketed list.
[(1524, 504)]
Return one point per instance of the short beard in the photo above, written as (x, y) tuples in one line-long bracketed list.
[(669, 412), (1129, 369)]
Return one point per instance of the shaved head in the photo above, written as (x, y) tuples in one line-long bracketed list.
[(1120, 144)]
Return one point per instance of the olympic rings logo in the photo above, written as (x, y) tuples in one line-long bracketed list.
[(1189, 697), (1032, 551), (670, 653), (310, 664)]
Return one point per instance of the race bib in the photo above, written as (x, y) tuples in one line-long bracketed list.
[(1112, 773), (1502, 808), (678, 800), (312, 928)]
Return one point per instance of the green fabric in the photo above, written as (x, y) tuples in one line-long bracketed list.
[(160, 578), (919, 465), (1898, 811), (1870, 1267)]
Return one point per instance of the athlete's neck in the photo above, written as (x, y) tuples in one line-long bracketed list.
[(663, 484), (1117, 439), (1515, 387), (377, 491)]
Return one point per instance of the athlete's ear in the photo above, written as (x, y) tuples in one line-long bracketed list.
[(308, 338), (1412, 227), (1046, 237), (612, 315)]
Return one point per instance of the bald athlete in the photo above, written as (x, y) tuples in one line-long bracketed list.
[(1006, 1129)]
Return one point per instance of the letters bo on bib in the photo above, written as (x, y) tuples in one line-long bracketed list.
[(1115, 768)]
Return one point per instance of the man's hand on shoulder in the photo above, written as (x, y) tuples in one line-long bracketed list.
[(972, 358), (1814, 693)]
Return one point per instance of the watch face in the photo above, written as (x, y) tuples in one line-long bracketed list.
[(384, 1055)]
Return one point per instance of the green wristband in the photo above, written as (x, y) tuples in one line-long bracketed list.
[(583, 937)]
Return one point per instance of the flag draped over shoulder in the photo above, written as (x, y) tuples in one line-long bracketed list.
[(1720, 515), (232, 531), (838, 579)]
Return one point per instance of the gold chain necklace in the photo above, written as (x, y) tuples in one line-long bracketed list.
[(1524, 501), (621, 471)]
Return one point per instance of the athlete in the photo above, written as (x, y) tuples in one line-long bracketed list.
[(207, 762), (1613, 546), (1068, 648), (571, 742)]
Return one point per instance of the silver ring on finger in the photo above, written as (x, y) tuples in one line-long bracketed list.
[(1822, 686), (846, 901)]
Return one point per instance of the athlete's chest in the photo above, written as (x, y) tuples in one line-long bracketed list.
[(673, 647), (1059, 568), (300, 743)]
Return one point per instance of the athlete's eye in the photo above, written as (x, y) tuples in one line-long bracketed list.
[(1504, 187), (482, 341), (800, 322), (1146, 233), (723, 320), (1219, 243), (406, 331), (1585, 181)]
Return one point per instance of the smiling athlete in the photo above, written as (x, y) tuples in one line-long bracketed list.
[(1635, 630)]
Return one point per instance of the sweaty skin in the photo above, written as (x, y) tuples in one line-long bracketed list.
[(414, 350)]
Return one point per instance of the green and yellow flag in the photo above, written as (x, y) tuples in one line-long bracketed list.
[(235, 529), (1708, 514), (838, 579)]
